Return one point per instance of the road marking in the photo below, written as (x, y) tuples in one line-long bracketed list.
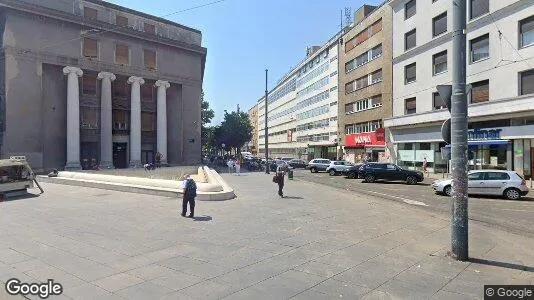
[(408, 201)]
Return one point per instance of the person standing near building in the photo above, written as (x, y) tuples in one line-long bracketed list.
[(279, 179), (425, 163), (237, 167), (190, 192)]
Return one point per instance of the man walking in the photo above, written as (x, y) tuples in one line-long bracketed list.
[(190, 192), (279, 179)]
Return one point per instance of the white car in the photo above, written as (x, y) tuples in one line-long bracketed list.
[(508, 184), (337, 167)]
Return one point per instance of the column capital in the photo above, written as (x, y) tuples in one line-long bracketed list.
[(162, 83), (133, 79), (109, 75), (68, 70)]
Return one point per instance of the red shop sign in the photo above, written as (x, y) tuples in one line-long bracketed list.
[(377, 138)]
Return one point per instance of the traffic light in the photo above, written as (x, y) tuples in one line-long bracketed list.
[(445, 92)]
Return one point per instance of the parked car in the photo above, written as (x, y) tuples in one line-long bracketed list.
[(297, 163), (371, 172), (337, 167), (279, 163), (508, 184), (287, 159), (352, 171), (318, 164)]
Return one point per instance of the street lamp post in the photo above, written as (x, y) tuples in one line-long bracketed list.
[(266, 128)]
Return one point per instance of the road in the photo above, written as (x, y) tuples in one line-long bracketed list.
[(513, 216)]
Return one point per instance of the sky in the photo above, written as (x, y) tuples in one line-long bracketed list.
[(245, 37)]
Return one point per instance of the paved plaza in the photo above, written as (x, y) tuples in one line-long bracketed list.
[(318, 243)]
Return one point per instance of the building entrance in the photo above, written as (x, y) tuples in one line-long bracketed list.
[(120, 158)]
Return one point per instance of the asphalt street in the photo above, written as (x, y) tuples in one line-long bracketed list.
[(513, 216)]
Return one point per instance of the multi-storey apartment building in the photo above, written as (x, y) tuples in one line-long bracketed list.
[(253, 117), (87, 82), (500, 71), (303, 108), (365, 74)]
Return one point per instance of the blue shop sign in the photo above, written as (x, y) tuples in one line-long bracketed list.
[(484, 134)]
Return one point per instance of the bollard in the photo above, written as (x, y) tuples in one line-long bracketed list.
[(290, 174), (530, 181)]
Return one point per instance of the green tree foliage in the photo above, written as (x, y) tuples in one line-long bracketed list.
[(207, 115), (234, 131)]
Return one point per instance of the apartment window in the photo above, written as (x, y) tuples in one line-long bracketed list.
[(120, 119), (439, 62), (349, 87), (147, 121), (121, 21), (90, 13), (146, 92), (376, 76), (120, 87), (527, 82), (376, 51), (150, 59), (480, 48), (149, 28), (349, 66), (424, 146), (439, 24), (409, 9), (478, 8), (480, 91), (526, 32), (437, 101), (410, 106), (410, 40), (376, 27), (90, 48), (376, 101), (409, 73), (362, 82), (89, 117), (122, 54), (89, 84)]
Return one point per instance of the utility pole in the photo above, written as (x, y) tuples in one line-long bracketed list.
[(266, 128), (459, 228)]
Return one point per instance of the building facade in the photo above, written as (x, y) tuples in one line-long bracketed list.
[(303, 108), (87, 82), (500, 74), (253, 117), (365, 85)]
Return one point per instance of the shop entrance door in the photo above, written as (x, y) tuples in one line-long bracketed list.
[(120, 155)]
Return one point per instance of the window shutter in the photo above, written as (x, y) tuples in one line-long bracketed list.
[(149, 28), (122, 55), (480, 91), (410, 103), (376, 27), (121, 21), (90, 48), (90, 13), (150, 59)]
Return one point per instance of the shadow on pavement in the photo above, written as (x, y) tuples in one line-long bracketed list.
[(22, 197), (501, 264), (202, 219), (398, 182), (292, 197)]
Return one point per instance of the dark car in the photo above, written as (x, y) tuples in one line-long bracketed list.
[(385, 171), (297, 163), (352, 171)]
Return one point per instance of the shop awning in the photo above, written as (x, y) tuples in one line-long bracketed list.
[(485, 142)]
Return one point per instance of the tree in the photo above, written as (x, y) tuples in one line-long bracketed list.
[(234, 131), (207, 115)]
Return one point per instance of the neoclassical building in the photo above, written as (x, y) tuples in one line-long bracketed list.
[(88, 82)]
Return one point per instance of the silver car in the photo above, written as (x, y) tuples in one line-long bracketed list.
[(488, 182), (338, 167)]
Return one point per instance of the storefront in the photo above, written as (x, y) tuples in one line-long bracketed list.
[(504, 148), (365, 147)]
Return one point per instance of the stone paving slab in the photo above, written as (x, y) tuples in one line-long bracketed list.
[(319, 243)]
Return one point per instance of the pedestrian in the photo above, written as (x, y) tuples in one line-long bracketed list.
[(230, 164), (190, 192), (279, 179), (237, 167), (424, 165)]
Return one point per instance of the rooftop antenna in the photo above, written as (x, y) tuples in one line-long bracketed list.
[(348, 16), (341, 19)]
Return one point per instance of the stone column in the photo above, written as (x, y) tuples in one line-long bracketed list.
[(162, 119), (135, 121), (106, 119), (73, 118)]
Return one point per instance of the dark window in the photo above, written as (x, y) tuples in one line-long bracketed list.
[(89, 117), (526, 31), (408, 146), (147, 92), (120, 87), (410, 40), (476, 176), (120, 119), (122, 54), (478, 8), (497, 176), (349, 87), (90, 13), (439, 62), (149, 28), (410, 106), (410, 9), (90, 48), (89, 84), (410, 73), (437, 101), (439, 24), (148, 121), (527, 82), (121, 21), (480, 48), (480, 91), (424, 146), (150, 59)]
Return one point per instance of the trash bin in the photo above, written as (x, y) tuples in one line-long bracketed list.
[(290, 174)]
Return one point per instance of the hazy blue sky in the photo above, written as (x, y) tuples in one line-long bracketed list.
[(243, 37)]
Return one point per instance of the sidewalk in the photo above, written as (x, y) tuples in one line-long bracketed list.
[(317, 243)]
